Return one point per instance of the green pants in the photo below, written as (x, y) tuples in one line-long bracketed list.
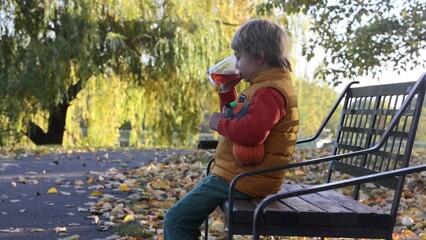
[(183, 220)]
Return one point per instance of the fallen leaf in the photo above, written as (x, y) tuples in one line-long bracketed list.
[(117, 209), (407, 221), (128, 218), (91, 181), (60, 229), (151, 167), (107, 206), (299, 172), (78, 183), (52, 190), (80, 209), (96, 218), (22, 179), (96, 193), (103, 228), (408, 232), (123, 188), (73, 237)]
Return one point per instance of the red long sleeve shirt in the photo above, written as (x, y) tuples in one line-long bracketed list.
[(266, 109)]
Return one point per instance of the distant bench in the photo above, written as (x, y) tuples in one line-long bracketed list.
[(373, 143)]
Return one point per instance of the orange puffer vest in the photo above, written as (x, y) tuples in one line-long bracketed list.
[(279, 145)]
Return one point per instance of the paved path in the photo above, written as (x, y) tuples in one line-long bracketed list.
[(27, 211)]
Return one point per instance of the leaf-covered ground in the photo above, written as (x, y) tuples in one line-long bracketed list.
[(131, 202), (152, 189)]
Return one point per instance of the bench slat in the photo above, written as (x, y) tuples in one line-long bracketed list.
[(328, 208), (336, 213), (243, 210), (278, 213), (307, 213), (367, 216)]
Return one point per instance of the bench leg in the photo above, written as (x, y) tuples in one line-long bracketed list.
[(206, 228), (230, 234)]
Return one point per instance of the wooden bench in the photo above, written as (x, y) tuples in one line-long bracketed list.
[(373, 144)]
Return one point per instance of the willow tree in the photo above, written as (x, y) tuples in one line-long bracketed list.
[(362, 37), (50, 49)]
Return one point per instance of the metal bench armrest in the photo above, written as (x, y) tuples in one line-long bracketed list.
[(329, 115), (209, 165)]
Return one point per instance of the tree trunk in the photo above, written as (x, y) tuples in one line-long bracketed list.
[(55, 132), (57, 120)]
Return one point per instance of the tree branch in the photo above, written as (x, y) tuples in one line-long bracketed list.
[(73, 90)]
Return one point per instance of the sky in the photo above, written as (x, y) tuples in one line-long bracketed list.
[(306, 69), (386, 77)]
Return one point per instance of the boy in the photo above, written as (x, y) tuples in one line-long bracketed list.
[(261, 49)]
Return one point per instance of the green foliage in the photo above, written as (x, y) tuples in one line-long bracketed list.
[(421, 133), (132, 230), (51, 50), (142, 62), (361, 37), (315, 101), (41, 44)]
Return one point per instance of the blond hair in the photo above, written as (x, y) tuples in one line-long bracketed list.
[(259, 35)]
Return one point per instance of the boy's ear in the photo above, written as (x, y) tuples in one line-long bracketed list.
[(261, 59)]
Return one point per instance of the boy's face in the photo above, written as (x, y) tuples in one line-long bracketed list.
[(246, 65)]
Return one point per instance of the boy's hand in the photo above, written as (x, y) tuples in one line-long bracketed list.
[(214, 120)]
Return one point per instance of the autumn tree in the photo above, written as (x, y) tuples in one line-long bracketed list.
[(50, 50), (157, 52), (361, 37)]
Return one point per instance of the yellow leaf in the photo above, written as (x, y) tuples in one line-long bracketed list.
[(161, 165), (408, 232), (52, 190), (128, 218), (97, 193), (123, 188), (300, 173), (151, 167), (91, 181), (78, 183)]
